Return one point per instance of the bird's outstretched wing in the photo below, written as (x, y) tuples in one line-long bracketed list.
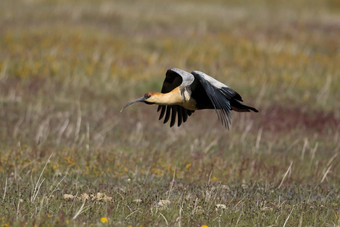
[(175, 78), (220, 96)]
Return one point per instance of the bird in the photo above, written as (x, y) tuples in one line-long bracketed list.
[(183, 93)]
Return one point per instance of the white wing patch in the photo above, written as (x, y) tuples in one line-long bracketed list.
[(186, 95), (211, 80), (187, 77)]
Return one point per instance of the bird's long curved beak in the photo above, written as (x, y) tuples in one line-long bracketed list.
[(141, 99)]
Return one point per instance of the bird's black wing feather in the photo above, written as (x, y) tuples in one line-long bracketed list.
[(167, 115), (171, 81), (170, 114), (231, 93), (175, 78), (219, 96)]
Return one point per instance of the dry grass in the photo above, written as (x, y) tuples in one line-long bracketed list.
[(67, 67)]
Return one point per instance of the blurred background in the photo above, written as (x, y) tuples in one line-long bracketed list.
[(68, 66)]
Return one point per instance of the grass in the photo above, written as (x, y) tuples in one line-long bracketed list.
[(67, 68)]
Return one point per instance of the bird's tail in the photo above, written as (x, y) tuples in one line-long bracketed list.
[(239, 107)]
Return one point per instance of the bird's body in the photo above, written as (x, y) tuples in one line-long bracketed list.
[(183, 93)]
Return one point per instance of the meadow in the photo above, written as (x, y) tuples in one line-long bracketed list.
[(69, 157)]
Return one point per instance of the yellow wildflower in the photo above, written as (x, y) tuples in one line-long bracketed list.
[(104, 220), (188, 166)]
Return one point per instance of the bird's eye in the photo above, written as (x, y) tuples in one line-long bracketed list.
[(147, 95)]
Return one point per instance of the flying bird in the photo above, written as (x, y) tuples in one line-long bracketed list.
[(183, 93)]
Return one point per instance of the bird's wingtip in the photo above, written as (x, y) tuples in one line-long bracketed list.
[(254, 109)]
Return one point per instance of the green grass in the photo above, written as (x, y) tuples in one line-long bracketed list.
[(67, 68)]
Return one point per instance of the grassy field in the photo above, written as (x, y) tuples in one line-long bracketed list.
[(68, 157)]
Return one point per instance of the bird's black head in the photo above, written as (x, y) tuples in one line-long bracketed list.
[(147, 96)]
